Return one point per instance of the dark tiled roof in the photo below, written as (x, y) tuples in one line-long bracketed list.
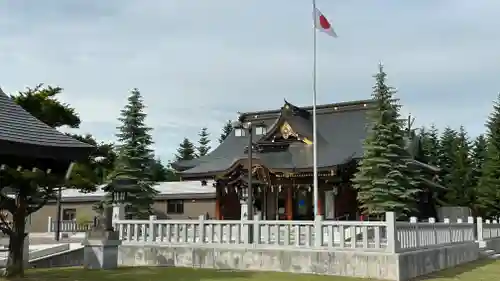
[(341, 131), (21, 133)]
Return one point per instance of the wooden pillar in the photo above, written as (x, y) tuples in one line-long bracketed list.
[(218, 214), (289, 203)]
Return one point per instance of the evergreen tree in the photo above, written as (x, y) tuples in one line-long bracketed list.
[(385, 180), (186, 150), (226, 130), (478, 157), (489, 184), (460, 192), (159, 172), (135, 157), (203, 142), (430, 145), (171, 174), (446, 159)]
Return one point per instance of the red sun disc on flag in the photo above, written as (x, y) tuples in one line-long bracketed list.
[(323, 22)]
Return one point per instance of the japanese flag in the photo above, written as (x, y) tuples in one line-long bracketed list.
[(321, 23)]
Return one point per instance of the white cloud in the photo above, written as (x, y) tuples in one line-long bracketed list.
[(197, 63)]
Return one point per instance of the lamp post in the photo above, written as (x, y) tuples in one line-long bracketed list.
[(117, 197), (248, 127), (247, 193)]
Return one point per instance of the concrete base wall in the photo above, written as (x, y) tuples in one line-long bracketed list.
[(379, 265), (491, 244), (343, 263), (422, 262)]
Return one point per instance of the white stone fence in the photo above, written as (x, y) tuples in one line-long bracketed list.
[(67, 226), (487, 230), (375, 236), (389, 235)]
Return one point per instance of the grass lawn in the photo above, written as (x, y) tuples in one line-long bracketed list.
[(486, 270)]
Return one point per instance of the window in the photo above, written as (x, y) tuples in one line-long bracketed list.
[(68, 214), (175, 207), (239, 132), (260, 130)]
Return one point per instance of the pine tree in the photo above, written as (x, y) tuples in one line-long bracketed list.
[(430, 145), (158, 171), (489, 184), (478, 157), (186, 150), (135, 157), (447, 146), (460, 192), (385, 180), (226, 130), (203, 142)]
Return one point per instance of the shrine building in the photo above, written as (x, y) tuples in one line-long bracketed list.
[(283, 163)]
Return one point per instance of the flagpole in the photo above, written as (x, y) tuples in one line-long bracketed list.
[(315, 139)]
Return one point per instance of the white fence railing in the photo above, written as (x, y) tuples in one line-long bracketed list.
[(67, 226), (389, 235), (487, 230)]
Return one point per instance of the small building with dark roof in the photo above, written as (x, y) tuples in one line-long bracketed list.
[(283, 161)]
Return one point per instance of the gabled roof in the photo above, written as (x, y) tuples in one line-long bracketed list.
[(341, 131), (23, 135)]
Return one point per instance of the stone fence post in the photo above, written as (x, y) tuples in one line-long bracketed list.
[(152, 229), (256, 230), (414, 222), (201, 230), (480, 234), (392, 235), (318, 231)]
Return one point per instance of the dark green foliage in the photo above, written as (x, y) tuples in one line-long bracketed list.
[(42, 103), (162, 172), (171, 174), (430, 145), (385, 181), (226, 130), (159, 172), (488, 192), (478, 156), (460, 192), (186, 150), (31, 189), (98, 166), (135, 157), (446, 156), (203, 142)]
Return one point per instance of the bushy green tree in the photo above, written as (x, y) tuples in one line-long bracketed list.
[(203, 143), (385, 180), (226, 130), (446, 159), (488, 191), (430, 145), (30, 190), (460, 191), (135, 157), (186, 150), (478, 156)]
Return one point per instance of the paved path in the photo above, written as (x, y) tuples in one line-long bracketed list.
[(39, 240)]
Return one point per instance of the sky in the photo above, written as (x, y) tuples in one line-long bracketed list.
[(197, 62)]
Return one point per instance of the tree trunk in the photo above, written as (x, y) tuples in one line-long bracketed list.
[(15, 261)]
